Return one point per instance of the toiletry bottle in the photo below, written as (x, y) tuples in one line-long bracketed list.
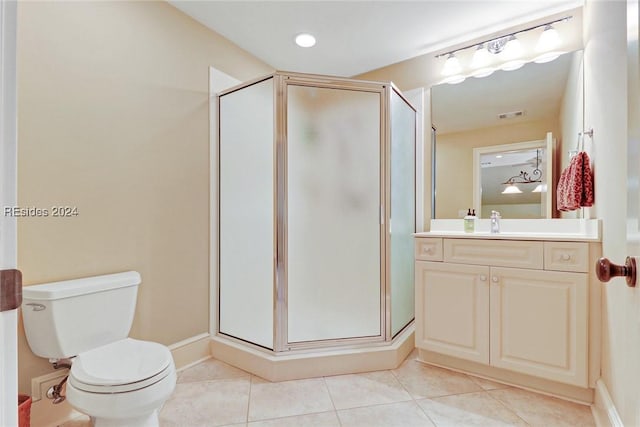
[(495, 221), (469, 222)]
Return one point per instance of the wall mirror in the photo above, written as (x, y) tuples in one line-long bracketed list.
[(533, 112)]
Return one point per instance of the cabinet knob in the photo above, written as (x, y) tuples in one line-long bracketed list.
[(566, 257), (606, 270), (428, 251), (483, 278), (495, 279)]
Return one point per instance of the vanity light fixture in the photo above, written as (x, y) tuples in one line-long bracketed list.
[(509, 50), (480, 62), (549, 39), (481, 57), (305, 40), (513, 49), (451, 66)]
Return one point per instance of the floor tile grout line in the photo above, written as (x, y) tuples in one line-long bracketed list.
[(249, 401), (508, 407), (335, 410), (413, 399), (287, 416)]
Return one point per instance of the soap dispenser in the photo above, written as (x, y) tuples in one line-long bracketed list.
[(469, 222), (495, 221)]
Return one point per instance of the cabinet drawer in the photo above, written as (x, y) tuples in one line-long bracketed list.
[(566, 256), (501, 253), (428, 249)]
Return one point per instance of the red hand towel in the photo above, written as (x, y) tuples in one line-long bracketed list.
[(575, 187)]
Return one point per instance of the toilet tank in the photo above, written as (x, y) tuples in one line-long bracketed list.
[(63, 319)]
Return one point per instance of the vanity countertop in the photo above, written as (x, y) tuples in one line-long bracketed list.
[(569, 230)]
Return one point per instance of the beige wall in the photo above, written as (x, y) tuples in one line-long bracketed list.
[(113, 119), (454, 160)]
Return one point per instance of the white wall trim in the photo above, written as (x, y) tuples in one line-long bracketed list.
[(604, 410), (218, 81), (416, 97), (191, 351), (8, 197)]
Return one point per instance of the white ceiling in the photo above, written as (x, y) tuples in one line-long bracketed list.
[(358, 36)]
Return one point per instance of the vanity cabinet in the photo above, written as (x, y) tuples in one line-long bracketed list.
[(518, 305)]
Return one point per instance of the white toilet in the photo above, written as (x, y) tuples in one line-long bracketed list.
[(116, 380)]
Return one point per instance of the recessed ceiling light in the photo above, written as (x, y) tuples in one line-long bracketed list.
[(305, 40)]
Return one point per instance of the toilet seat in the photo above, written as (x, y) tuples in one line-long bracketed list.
[(120, 367)]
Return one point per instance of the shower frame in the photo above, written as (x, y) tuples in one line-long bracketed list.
[(282, 80)]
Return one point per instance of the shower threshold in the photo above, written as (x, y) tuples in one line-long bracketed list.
[(300, 364)]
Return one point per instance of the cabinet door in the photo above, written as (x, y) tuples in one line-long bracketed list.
[(539, 323), (452, 309)]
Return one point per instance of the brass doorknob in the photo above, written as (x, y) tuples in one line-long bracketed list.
[(605, 270)]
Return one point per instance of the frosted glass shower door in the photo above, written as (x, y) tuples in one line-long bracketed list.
[(333, 215), (403, 211), (246, 209)]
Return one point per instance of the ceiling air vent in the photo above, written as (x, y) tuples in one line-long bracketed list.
[(511, 114)]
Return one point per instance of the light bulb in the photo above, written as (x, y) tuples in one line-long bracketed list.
[(512, 189), (549, 39), (305, 40), (451, 66), (481, 57), (512, 50)]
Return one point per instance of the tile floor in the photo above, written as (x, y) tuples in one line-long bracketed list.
[(213, 393)]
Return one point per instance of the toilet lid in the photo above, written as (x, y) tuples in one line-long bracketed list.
[(122, 362)]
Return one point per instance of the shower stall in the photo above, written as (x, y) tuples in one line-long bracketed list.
[(316, 205)]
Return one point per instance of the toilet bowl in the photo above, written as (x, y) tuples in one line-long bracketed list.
[(122, 383), (116, 380)]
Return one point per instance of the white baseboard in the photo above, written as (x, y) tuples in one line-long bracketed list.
[(191, 351), (604, 410)]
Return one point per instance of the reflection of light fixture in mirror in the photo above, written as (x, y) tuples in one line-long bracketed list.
[(512, 65), (540, 188), (512, 189), (549, 39), (547, 57), (451, 66), (453, 80), (482, 72), (524, 178)]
